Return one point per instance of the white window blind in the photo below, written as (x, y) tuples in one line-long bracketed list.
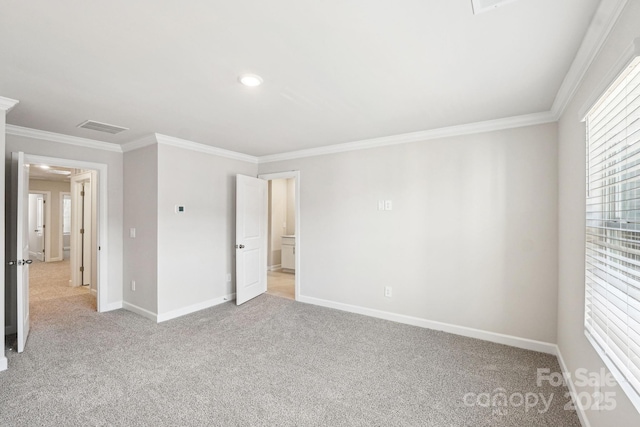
[(612, 295)]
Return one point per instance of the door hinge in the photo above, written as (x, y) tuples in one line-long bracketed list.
[(82, 231), (82, 193), (82, 269)]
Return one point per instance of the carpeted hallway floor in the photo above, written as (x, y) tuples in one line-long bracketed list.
[(269, 362)]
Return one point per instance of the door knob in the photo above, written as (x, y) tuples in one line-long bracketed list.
[(12, 263), (28, 261), (239, 246)]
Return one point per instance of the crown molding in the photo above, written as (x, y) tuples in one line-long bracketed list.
[(597, 34), (626, 59), (7, 104), (63, 139), (140, 143), (202, 148), (446, 132)]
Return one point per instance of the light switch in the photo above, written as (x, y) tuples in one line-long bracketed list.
[(380, 205), (132, 233)]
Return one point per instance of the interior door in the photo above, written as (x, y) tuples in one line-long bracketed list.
[(20, 256), (36, 225), (251, 238)]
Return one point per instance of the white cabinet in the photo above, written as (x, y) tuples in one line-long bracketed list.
[(289, 253)]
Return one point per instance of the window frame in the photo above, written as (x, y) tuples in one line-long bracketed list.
[(630, 59)]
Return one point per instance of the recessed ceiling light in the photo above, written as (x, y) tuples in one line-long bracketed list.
[(44, 167), (251, 80)]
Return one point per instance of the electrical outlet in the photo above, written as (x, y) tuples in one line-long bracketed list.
[(132, 233), (133, 285), (228, 277), (388, 205), (388, 291)]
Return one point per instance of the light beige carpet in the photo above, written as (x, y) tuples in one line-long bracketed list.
[(50, 280), (268, 362)]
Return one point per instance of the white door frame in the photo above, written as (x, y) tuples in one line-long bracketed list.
[(102, 264), (47, 220), (298, 245), (78, 217), (61, 222)]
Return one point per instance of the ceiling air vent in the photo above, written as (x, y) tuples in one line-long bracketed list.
[(481, 6), (102, 127)]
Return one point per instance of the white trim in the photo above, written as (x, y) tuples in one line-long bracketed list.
[(406, 138), (524, 343), (47, 228), (61, 247), (568, 377), (113, 306), (140, 143), (195, 307), (61, 138), (139, 311), (7, 104), (274, 267), (3, 363), (601, 25), (103, 217), (628, 389), (56, 259), (202, 148), (627, 57), (298, 245)]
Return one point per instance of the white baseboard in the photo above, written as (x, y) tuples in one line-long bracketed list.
[(140, 311), (113, 306), (275, 267), (195, 307), (524, 343), (94, 292), (56, 259), (582, 416), (3, 363)]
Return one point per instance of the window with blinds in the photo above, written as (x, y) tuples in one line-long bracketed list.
[(612, 295)]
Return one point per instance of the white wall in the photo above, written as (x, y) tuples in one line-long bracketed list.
[(54, 227), (195, 248), (471, 239), (141, 212), (575, 349), (113, 160)]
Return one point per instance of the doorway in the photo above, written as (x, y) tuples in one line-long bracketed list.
[(39, 217), (61, 213), (17, 302), (283, 234)]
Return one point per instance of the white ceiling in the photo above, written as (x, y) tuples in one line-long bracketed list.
[(53, 173), (334, 71)]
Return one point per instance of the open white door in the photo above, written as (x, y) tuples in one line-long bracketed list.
[(20, 187), (251, 238)]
